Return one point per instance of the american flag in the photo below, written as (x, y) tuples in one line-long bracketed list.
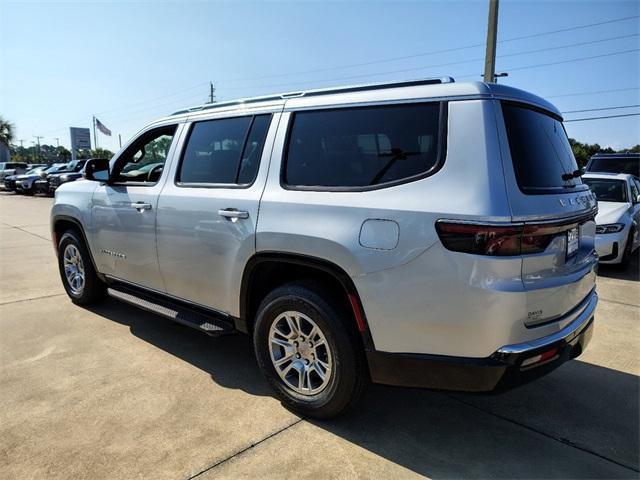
[(102, 128)]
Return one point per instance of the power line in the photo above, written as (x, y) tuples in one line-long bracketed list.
[(559, 47), (431, 52), (276, 85), (603, 108), (539, 34), (593, 92), (600, 118), (611, 54), (153, 99), (569, 29)]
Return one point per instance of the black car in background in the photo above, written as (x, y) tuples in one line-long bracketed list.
[(50, 182), (615, 163), (25, 183), (64, 177), (10, 182)]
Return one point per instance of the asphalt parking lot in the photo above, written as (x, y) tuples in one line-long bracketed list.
[(115, 392)]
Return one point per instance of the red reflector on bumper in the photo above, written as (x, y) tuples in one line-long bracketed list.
[(543, 357)]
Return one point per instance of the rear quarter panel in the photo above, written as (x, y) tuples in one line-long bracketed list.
[(395, 284)]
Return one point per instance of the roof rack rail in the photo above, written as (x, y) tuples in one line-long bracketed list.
[(320, 91)]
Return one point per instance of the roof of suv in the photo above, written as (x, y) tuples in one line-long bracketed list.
[(433, 88), (617, 155), (613, 176)]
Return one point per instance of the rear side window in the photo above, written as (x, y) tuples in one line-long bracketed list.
[(224, 151), (540, 150), (363, 147)]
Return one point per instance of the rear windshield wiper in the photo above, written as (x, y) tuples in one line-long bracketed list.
[(575, 174)]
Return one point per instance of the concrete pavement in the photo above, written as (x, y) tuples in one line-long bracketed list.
[(115, 392)]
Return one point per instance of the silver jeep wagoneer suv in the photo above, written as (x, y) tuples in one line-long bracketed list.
[(426, 233)]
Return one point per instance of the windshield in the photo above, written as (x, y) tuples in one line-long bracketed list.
[(607, 190), (34, 171), (10, 166), (540, 151), (616, 165)]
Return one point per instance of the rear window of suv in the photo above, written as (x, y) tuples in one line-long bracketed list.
[(628, 165), (364, 147), (540, 150)]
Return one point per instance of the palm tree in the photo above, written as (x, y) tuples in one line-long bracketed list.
[(6, 132)]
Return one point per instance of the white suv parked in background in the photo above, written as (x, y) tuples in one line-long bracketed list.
[(618, 216), (424, 233)]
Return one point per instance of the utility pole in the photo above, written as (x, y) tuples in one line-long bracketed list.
[(21, 141), (38, 137), (57, 142), (492, 34), (95, 138), (212, 90), (120, 140)]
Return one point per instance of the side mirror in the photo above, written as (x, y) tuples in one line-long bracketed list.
[(638, 199), (97, 170)]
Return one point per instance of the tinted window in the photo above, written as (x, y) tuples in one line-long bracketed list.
[(615, 165), (11, 166), (540, 150), (253, 149), (607, 190), (216, 151), (360, 147)]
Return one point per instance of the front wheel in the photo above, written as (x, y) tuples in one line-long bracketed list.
[(78, 276), (307, 353)]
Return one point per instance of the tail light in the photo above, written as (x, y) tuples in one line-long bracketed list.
[(497, 240)]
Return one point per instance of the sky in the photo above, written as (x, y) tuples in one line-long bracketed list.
[(131, 62)]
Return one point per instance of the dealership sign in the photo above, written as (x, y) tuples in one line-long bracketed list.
[(80, 140)]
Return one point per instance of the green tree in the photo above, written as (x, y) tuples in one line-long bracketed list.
[(63, 154), (584, 151), (6, 131), (95, 153), (101, 153)]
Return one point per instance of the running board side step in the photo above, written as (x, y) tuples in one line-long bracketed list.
[(211, 323)]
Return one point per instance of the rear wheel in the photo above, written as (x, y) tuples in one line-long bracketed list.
[(306, 353), (78, 276)]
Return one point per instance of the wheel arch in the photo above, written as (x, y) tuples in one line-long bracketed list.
[(296, 267), (60, 224)]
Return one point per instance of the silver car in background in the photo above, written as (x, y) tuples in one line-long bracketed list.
[(618, 219), (426, 233)]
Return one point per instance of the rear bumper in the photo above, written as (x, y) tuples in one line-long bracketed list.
[(502, 370)]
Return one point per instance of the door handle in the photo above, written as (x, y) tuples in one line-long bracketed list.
[(233, 214), (141, 206)]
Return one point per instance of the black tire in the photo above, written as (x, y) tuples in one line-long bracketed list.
[(628, 252), (94, 289), (349, 375)]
